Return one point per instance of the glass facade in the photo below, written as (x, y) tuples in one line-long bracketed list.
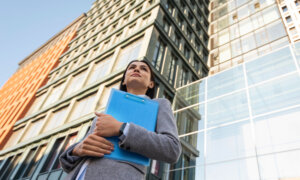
[(241, 30), (245, 121)]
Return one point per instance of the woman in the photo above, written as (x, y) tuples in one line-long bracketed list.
[(84, 160)]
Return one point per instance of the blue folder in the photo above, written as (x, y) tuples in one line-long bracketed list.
[(126, 107)]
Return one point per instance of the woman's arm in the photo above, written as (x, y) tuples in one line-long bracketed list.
[(163, 145), (91, 145)]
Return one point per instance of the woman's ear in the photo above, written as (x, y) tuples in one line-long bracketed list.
[(151, 85)]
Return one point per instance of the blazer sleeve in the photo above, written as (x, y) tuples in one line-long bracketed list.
[(162, 145), (68, 161)]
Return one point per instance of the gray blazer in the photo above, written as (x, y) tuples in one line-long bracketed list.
[(162, 145)]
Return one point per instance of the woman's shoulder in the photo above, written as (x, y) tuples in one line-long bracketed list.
[(163, 101)]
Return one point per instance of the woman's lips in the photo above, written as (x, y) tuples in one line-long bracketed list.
[(136, 75)]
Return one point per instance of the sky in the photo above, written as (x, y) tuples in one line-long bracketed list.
[(26, 25)]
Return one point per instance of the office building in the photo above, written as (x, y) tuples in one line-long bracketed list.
[(244, 121), (171, 35)]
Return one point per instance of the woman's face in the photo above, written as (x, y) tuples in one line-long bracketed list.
[(138, 75)]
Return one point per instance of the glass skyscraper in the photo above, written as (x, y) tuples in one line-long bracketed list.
[(243, 123)]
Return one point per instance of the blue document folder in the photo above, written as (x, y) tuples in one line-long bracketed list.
[(126, 107)]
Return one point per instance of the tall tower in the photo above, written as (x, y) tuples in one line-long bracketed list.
[(171, 35)]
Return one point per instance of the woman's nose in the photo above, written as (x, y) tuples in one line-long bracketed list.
[(136, 69)]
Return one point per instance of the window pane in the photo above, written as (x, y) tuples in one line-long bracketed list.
[(230, 142), (280, 165), (100, 70), (82, 107), (274, 95), (56, 119), (75, 83), (236, 48), (54, 95), (129, 53), (223, 37), (269, 66), (276, 30), (245, 26), (270, 14), (105, 95), (225, 82), (245, 169), (14, 138), (261, 37), (225, 53), (257, 20), (234, 31), (278, 131), (53, 155), (248, 42), (36, 104), (227, 109), (31, 167), (33, 129)]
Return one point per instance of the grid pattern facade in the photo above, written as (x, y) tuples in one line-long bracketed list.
[(19, 91), (290, 12), (241, 30), (243, 123), (171, 35)]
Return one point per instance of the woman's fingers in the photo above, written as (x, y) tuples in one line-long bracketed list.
[(93, 145)]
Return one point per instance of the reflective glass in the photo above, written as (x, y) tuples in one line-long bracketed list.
[(245, 169), (192, 94), (245, 26), (274, 95), (270, 14), (280, 166), (229, 108), (236, 48), (225, 82), (248, 42), (229, 142), (276, 30), (278, 131), (270, 66), (296, 50)]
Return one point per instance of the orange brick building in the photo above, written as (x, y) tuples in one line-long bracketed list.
[(18, 93)]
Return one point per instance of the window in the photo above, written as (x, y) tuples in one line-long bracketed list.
[(177, 39), (82, 107), (9, 167), (53, 155), (54, 95), (297, 2), (170, 7), (33, 129), (36, 104), (100, 70), (248, 43), (56, 119), (127, 54), (14, 138), (180, 21), (288, 19), (284, 9), (159, 53), (172, 70), (166, 26), (75, 83), (293, 31), (189, 33), (183, 77), (32, 161), (187, 52)]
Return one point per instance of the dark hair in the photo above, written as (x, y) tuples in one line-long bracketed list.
[(151, 91)]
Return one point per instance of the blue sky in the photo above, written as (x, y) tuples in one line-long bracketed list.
[(26, 25)]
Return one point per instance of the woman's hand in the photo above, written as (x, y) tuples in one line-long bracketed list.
[(93, 145), (106, 125)]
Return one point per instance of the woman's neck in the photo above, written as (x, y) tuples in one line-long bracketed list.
[(137, 91)]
